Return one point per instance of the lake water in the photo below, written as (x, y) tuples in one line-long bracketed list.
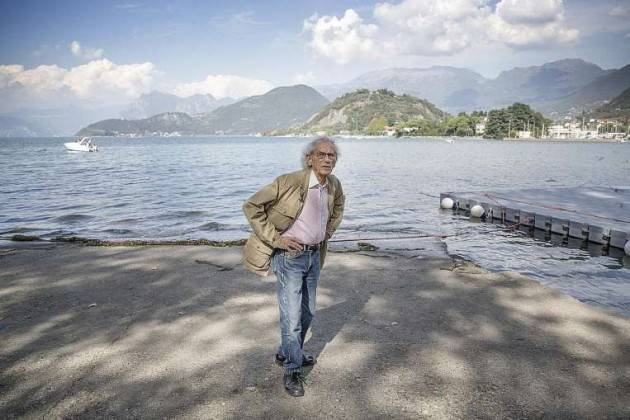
[(175, 188)]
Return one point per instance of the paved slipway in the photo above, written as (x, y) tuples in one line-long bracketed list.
[(185, 332)]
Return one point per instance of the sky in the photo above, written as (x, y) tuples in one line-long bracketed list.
[(90, 52)]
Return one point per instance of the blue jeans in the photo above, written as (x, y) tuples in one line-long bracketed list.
[(297, 273)]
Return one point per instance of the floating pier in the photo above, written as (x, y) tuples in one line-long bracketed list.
[(595, 214)]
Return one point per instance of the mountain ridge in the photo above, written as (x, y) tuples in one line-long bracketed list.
[(618, 107), (548, 86), (156, 102), (279, 108)]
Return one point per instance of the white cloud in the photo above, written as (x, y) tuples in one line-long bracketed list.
[(11, 69), (86, 53), (438, 27), (530, 11), (37, 80), (96, 80), (103, 76), (342, 39), (224, 85), (431, 27), (619, 11), (522, 35), (527, 23), (75, 48)]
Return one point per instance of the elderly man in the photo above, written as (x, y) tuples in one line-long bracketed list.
[(293, 218)]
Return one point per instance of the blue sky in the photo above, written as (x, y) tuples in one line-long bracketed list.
[(104, 51)]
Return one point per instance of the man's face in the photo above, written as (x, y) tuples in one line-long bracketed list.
[(323, 160)]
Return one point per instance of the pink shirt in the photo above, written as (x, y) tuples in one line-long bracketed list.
[(310, 226)]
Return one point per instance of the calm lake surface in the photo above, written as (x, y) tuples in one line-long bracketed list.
[(176, 188)]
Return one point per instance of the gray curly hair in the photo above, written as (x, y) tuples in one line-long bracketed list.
[(310, 148)]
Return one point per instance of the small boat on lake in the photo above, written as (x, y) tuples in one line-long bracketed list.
[(84, 144)]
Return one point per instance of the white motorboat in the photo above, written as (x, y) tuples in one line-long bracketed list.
[(84, 144)]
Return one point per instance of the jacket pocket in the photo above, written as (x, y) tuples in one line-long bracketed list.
[(257, 254), (282, 217)]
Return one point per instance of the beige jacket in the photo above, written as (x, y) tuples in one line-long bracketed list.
[(275, 207)]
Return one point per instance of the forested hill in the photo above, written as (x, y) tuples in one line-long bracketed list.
[(363, 111), (168, 122)]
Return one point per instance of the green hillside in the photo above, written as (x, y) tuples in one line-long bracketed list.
[(168, 122), (368, 112), (618, 107)]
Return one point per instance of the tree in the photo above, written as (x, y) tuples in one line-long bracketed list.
[(462, 126), (508, 121), (376, 125)]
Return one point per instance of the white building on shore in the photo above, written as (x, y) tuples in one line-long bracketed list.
[(573, 130)]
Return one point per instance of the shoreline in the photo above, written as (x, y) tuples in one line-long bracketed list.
[(123, 242), (344, 136), (172, 331)]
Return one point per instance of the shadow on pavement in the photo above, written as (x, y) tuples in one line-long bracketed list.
[(185, 332)]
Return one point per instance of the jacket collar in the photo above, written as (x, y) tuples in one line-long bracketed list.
[(306, 178)]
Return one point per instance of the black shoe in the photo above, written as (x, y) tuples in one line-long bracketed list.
[(293, 384), (307, 360)]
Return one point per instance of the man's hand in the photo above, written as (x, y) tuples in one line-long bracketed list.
[(290, 244)]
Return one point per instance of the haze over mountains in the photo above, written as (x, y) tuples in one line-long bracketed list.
[(68, 120), (559, 88), (555, 88), (156, 102), (279, 108)]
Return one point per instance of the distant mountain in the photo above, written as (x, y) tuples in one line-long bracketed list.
[(68, 120), (594, 94), (16, 127), (619, 107), (170, 122), (537, 84), (450, 87), (355, 111), (279, 108), (159, 103), (457, 89)]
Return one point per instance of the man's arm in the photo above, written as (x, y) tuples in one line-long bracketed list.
[(254, 209), (337, 212)]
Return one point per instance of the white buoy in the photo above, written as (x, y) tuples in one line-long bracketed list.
[(447, 203), (627, 247), (477, 211)]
